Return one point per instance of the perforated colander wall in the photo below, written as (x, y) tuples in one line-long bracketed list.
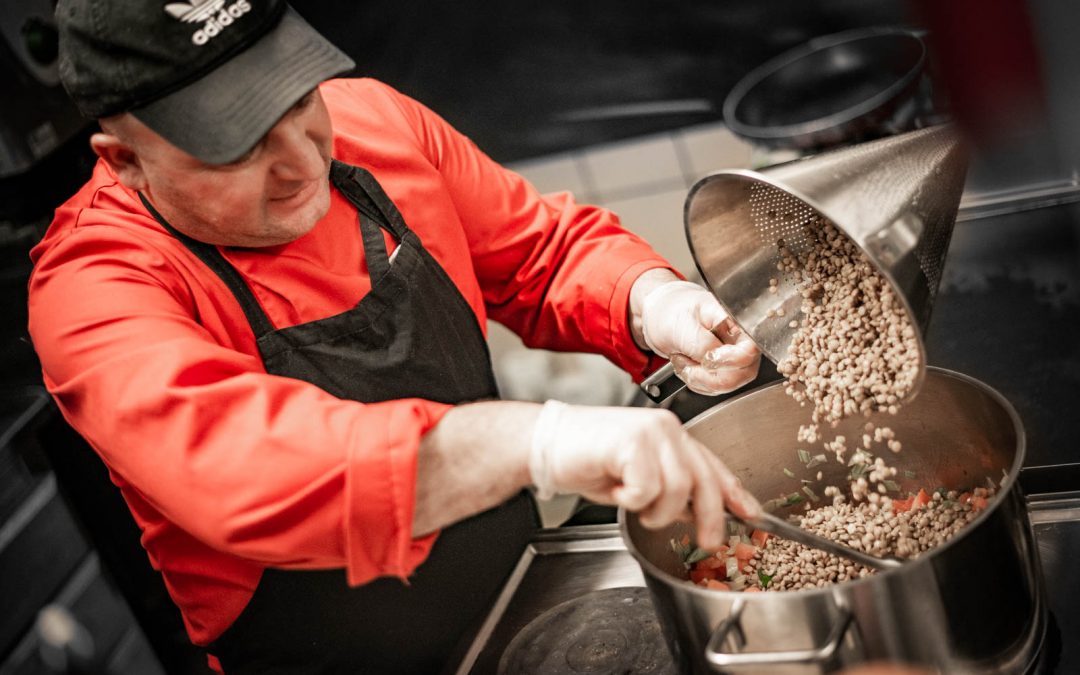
[(775, 215)]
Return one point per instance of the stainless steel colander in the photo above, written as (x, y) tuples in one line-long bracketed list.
[(896, 198)]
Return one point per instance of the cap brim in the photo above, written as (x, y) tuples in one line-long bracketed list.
[(222, 115)]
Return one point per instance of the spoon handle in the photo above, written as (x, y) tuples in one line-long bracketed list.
[(786, 530)]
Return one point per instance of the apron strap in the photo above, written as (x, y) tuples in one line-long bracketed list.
[(374, 209), (375, 212), (378, 262), (211, 256), (341, 175), (370, 198)]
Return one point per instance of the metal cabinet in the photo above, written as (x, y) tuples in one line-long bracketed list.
[(47, 562)]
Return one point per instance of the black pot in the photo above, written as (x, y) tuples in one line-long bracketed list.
[(837, 89)]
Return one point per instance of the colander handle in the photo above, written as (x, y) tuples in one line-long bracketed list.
[(722, 660), (663, 384)]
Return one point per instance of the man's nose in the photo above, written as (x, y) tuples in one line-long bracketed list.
[(296, 153)]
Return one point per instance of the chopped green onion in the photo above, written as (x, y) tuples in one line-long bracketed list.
[(857, 472), (772, 504), (731, 567), (793, 499), (696, 555), (810, 493), (804, 456), (788, 472), (908, 473), (764, 579), (892, 485), (816, 460)]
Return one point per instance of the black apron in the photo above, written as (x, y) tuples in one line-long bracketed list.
[(413, 335)]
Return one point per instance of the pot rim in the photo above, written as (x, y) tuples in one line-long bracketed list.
[(801, 134), (1006, 486)]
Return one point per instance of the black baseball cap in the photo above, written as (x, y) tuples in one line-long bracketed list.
[(210, 76)]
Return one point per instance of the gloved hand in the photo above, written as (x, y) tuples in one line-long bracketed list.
[(683, 322), (638, 458)]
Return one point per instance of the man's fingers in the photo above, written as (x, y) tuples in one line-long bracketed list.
[(712, 381), (708, 499), (678, 480), (738, 499), (712, 316), (728, 331), (640, 475), (742, 354)]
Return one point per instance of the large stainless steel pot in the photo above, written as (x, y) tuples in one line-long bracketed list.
[(973, 605)]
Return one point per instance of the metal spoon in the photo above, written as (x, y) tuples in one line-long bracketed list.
[(787, 530)]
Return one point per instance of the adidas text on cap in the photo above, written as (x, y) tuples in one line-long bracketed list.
[(210, 76)]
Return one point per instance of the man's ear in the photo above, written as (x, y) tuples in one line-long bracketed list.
[(121, 158)]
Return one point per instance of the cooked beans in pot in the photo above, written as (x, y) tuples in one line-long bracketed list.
[(854, 352)]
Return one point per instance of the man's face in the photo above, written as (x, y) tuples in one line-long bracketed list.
[(272, 195)]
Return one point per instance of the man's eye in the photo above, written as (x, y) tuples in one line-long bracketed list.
[(306, 100)]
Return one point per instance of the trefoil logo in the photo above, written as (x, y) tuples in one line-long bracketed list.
[(213, 14)]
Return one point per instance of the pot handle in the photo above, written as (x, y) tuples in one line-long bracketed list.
[(721, 659), (663, 384)]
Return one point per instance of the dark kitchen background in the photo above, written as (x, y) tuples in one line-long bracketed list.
[(550, 88)]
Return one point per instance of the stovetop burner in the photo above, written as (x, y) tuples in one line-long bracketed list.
[(614, 630)]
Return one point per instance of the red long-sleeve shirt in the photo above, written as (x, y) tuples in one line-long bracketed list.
[(228, 469)]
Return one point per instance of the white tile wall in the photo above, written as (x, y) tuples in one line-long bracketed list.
[(708, 148), (657, 217), (632, 167), (554, 173)]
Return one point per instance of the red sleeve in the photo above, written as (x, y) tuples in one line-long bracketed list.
[(555, 272), (268, 468)]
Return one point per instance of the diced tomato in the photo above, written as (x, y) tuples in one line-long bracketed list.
[(699, 575), (978, 503), (715, 585), (964, 498), (744, 551), (685, 541), (901, 505), (751, 589), (921, 499), (710, 563), (759, 537)]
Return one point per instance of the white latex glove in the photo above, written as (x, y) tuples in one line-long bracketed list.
[(683, 322), (638, 458)]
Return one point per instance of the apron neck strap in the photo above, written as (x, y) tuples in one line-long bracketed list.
[(211, 256), (374, 210), (365, 193)]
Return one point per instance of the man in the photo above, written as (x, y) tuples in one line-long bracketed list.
[(265, 312)]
